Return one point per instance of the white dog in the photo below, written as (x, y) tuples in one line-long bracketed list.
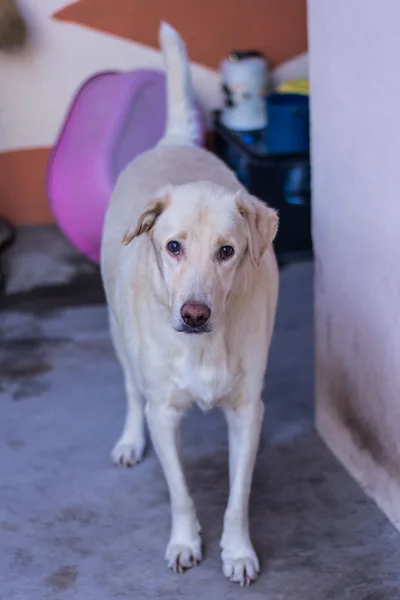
[(187, 251)]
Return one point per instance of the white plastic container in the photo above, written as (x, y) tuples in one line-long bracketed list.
[(244, 79)]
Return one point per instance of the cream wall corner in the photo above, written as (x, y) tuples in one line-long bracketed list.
[(355, 89)]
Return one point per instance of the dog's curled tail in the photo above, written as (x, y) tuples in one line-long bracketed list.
[(182, 117)]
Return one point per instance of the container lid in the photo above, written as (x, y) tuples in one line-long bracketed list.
[(237, 55)]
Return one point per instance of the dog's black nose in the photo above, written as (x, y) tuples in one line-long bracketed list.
[(194, 314)]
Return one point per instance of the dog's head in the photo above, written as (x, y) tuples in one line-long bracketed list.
[(202, 235)]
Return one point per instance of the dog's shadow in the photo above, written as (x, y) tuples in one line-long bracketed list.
[(297, 515)]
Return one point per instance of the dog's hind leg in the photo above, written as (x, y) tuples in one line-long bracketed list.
[(130, 446)]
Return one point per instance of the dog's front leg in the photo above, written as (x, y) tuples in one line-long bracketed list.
[(239, 560), (184, 547)]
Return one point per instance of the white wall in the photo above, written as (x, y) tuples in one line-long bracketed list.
[(354, 55), (39, 83)]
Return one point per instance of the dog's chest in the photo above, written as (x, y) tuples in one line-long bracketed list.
[(204, 375)]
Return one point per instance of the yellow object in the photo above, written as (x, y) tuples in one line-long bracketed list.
[(294, 86)]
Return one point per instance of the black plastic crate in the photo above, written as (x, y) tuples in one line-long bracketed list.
[(282, 181)]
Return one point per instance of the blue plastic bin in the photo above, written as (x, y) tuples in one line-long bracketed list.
[(283, 181), (288, 129)]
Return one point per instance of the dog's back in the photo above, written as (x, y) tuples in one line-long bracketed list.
[(176, 160)]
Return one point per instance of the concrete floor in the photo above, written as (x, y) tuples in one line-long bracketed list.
[(73, 527)]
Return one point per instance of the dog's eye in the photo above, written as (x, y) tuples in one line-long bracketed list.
[(174, 247), (226, 252)]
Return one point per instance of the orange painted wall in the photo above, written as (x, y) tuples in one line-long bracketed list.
[(23, 197), (211, 28)]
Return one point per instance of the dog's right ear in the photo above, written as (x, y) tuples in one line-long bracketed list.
[(147, 218)]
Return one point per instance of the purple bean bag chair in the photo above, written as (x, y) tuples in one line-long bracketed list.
[(114, 117)]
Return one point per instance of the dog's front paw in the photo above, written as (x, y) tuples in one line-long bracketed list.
[(239, 561), (183, 555), (184, 547), (127, 453)]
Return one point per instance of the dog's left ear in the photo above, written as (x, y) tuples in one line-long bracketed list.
[(148, 218), (261, 223)]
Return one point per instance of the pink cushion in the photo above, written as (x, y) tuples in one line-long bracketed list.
[(114, 117)]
